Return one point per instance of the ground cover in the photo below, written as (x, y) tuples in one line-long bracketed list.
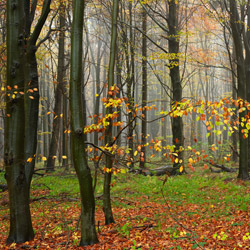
[(201, 210)]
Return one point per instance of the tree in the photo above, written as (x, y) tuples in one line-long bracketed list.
[(88, 231), (241, 43), (59, 92), (144, 89), (22, 112), (108, 132)]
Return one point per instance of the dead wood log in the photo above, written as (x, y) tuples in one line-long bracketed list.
[(165, 170), (222, 168)]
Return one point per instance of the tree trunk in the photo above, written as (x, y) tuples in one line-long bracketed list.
[(174, 43), (88, 231), (241, 77), (144, 90), (20, 219), (22, 113), (58, 95), (108, 133)]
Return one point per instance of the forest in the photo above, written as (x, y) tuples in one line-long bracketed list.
[(124, 124)]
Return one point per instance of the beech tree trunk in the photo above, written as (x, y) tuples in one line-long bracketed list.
[(22, 113), (242, 86), (88, 231), (58, 95), (108, 133), (144, 90), (20, 219), (174, 44)]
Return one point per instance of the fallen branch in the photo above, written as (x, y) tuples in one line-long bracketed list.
[(222, 167), (144, 227), (165, 170)]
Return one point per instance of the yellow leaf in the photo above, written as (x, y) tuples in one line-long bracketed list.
[(96, 95), (135, 153), (190, 160), (29, 159), (13, 96), (64, 157), (44, 158), (181, 169), (48, 113), (61, 115), (176, 160), (31, 97)]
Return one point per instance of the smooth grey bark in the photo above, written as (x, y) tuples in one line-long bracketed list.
[(144, 90), (164, 123), (88, 231), (174, 67), (236, 27), (20, 219), (22, 112), (128, 46), (108, 132), (54, 143)]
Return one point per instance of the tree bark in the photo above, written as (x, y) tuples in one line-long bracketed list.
[(144, 90), (88, 231), (22, 113), (20, 219), (108, 132), (241, 77), (174, 44), (58, 95)]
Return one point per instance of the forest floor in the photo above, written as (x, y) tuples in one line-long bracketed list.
[(200, 210)]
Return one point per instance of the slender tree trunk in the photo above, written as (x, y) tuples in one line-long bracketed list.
[(163, 123), (65, 142), (174, 43), (108, 133), (88, 231), (144, 90), (234, 117), (58, 94), (242, 91)]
